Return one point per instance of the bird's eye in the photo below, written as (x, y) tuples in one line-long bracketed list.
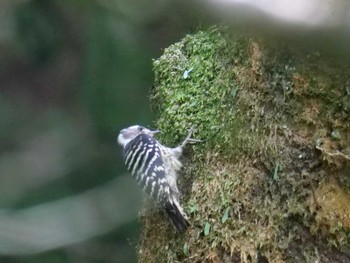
[(140, 128)]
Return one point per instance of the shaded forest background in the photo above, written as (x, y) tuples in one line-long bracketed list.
[(72, 74)]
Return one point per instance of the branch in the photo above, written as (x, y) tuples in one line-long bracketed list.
[(334, 154)]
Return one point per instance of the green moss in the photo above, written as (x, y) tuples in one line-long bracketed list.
[(249, 187), (190, 73)]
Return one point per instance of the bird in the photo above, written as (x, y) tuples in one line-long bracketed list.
[(155, 168)]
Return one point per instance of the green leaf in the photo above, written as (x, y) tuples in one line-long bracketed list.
[(277, 169), (206, 228), (225, 216), (193, 209), (185, 249), (234, 91)]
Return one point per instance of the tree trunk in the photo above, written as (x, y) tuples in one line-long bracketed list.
[(270, 182)]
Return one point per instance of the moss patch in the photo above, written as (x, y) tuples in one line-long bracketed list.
[(276, 131)]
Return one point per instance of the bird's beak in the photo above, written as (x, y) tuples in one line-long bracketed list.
[(154, 132)]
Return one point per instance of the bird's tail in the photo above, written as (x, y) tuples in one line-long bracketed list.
[(177, 215)]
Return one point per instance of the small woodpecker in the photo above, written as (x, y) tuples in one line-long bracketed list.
[(155, 167)]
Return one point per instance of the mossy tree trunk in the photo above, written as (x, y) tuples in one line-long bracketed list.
[(271, 181)]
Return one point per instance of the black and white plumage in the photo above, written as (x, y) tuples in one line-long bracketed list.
[(155, 168)]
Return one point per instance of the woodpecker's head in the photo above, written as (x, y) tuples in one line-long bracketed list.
[(127, 134)]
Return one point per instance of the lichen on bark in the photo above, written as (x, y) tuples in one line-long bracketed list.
[(270, 182)]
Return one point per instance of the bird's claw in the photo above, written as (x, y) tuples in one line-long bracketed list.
[(189, 139)]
